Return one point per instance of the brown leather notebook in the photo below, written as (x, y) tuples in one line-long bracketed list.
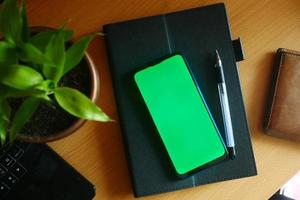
[(283, 115)]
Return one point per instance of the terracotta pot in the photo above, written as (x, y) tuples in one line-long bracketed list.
[(78, 123)]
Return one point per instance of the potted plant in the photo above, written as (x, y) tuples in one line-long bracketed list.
[(44, 80)]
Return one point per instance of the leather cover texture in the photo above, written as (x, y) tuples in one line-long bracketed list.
[(283, 116), (195, 34)]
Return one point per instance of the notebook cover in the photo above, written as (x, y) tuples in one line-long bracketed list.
[(195, 34)]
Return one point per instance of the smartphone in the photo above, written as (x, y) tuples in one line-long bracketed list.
[(180, 114)]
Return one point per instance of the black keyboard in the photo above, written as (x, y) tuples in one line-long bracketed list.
[(11, 169), (30, 171)]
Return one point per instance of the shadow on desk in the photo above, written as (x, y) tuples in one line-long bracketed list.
[(115, 174), (115, 181)]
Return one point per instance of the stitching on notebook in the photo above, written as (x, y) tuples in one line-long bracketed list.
[(193, 181), (290, 52), (167, 33), (170, 51)]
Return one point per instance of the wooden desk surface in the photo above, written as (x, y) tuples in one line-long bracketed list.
[(96, 150)]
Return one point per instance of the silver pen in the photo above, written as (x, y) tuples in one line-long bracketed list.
[(225, 107)]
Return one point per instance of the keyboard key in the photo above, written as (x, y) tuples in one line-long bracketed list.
[(2, 171), (3, 189), (18, 170), (7, 161), (10, 180), (15, 152), (4, 148), (23, 145)]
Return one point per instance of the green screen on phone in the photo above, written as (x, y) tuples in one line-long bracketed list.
[(180, 114)]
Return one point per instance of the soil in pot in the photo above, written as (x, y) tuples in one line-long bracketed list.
[(48, 120)]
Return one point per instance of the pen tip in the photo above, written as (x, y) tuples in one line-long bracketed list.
[(217, 53)]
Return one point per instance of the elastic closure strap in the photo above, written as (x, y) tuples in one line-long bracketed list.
[(238, 50)]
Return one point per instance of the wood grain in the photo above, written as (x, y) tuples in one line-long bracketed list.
[(96, 150)]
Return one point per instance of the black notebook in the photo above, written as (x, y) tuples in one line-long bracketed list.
[(195, 34)]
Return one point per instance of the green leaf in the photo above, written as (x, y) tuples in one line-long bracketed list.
[(78, 104), (8, 54), (29, 53), (4, 91), (47, 85), (8, 92), (25, 111), (25, 29), (30, 92), (5, 110), (1, 20), (76, 52), (11, 21), (55, 52), (3, 130), (4, 119), (43, 96), (41, 39), (44, 89), (68, 35), (20, 77)]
